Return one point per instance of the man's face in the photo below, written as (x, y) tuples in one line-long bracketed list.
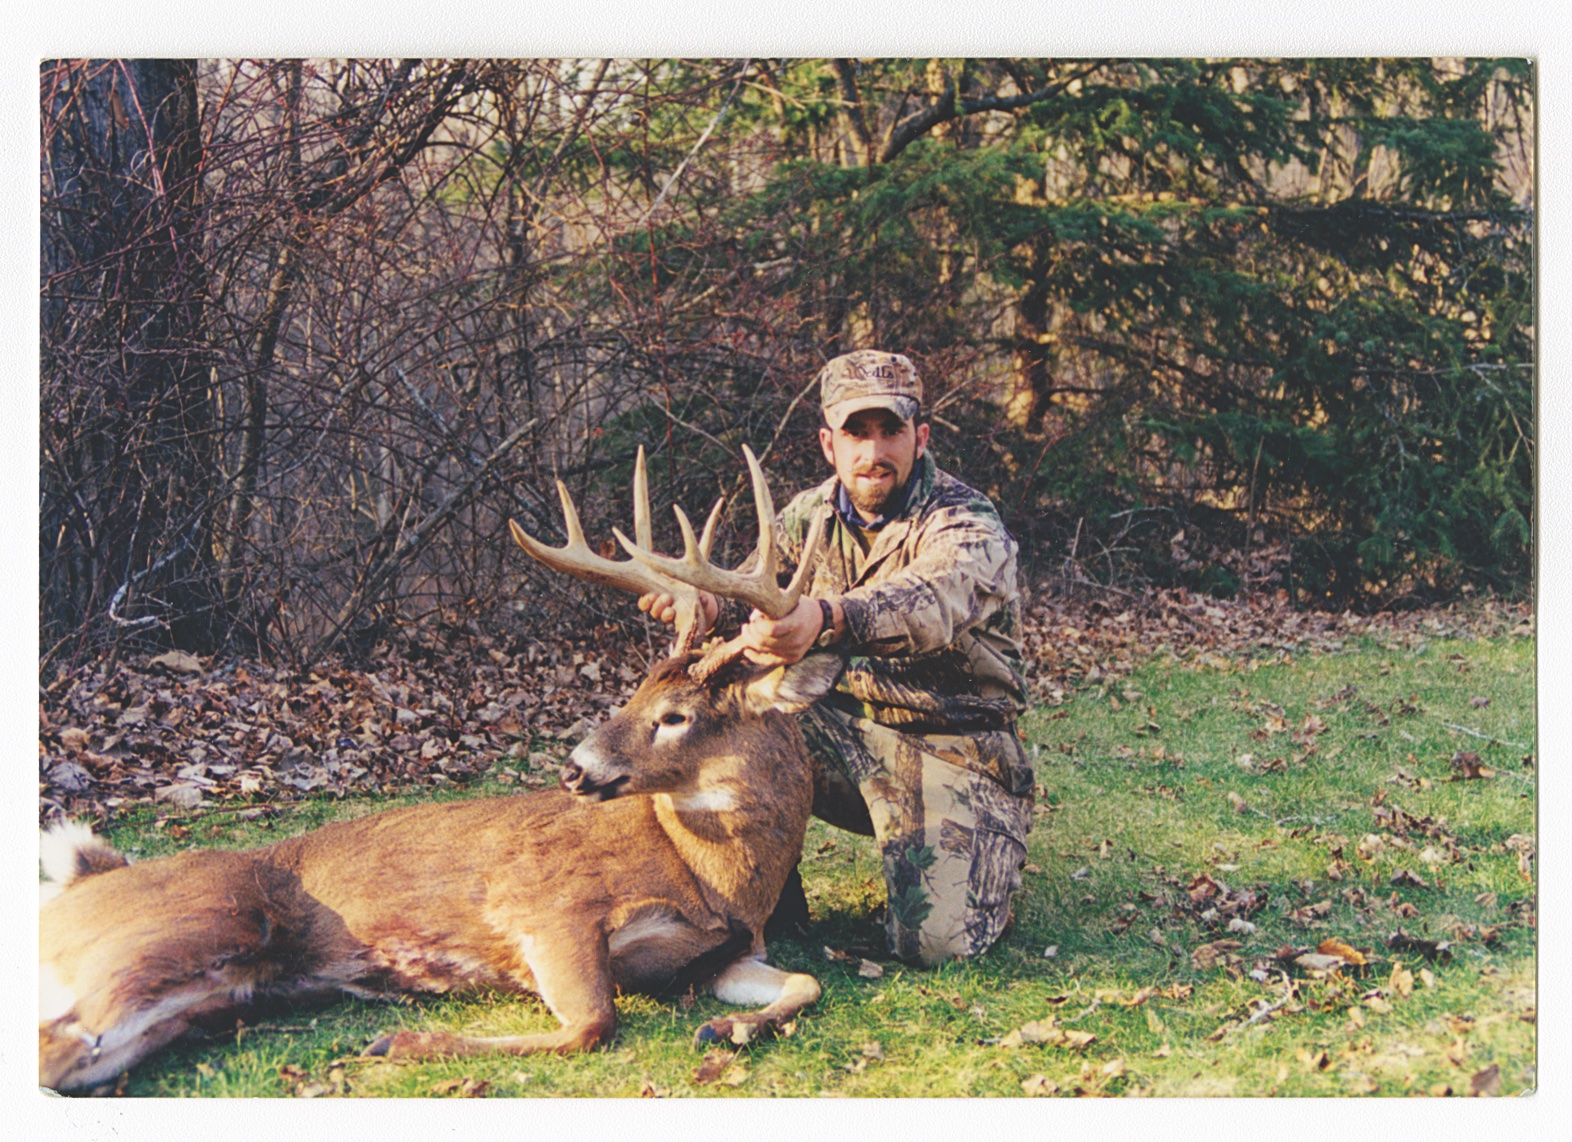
[(873, 453)]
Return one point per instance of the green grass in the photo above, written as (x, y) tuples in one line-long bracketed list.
[(1134, 806)]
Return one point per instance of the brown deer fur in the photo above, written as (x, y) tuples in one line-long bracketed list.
[(679, 821)]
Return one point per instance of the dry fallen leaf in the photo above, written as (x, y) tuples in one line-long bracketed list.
[(1485, 1083), (870, 970), (1333, 947), (1310, 914), (1202, 889), (1038, 1086), (1316, 962), (1370, 846), (713, 1066), (1037, 1031), (1402, 980), (1206, 956), (1433, 856), (178, 661), (1469, 767), (464, 1087)]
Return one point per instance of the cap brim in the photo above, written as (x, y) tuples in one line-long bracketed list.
[(903, 407)]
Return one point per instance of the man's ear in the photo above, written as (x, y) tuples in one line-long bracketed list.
[(793, 688), (922, 438), (827, 444)]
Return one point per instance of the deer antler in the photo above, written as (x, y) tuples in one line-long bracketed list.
[(759, 588), (576, 558)]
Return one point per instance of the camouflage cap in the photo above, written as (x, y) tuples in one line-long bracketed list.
[(869, 378)]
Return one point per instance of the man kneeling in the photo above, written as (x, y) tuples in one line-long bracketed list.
[(915, 586)]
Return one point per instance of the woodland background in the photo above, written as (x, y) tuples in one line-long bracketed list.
[(313, 330), (1243, 349)]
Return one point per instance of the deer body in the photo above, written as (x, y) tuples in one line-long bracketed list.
[(654, 868), (657, 869)]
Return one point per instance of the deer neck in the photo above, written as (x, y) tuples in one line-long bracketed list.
[(740, 839)]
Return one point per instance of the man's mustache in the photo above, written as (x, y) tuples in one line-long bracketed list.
[(877, 469)]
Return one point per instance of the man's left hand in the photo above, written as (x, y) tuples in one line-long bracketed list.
[(779, 642)]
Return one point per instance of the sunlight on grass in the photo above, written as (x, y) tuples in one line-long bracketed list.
[(1199, 830)]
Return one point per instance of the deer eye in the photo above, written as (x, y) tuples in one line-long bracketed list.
[(673, 718)]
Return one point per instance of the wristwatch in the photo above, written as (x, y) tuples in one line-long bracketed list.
[(827, 629)]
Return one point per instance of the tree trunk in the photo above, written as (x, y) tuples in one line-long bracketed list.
[(128, 463)]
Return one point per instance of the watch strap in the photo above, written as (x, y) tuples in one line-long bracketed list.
[(827, 628)]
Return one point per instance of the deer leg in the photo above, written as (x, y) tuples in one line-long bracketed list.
[(749, 981), (572, 976)]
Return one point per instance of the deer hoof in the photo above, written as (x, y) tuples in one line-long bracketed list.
[(739, 1032), (412, 1045), (381, 1048)]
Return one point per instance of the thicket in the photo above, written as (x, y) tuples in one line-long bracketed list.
[(312, 330)]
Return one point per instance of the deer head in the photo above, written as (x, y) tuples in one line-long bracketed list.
[(699, 738)]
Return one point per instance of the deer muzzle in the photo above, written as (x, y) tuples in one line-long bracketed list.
[(587, 778)]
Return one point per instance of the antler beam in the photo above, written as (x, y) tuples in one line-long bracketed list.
[(576, 558), (760, 588)]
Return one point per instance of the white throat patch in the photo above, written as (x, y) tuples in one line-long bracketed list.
[(709, 800)]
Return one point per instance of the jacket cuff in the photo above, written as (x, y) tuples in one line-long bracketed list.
[(859, 619)]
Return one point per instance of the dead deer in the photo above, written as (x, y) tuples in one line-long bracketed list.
[(653, 867)]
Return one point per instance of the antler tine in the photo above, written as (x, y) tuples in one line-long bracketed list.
[(758, 588), (707, 540), (576, 559), (764, 508), (641, 502)]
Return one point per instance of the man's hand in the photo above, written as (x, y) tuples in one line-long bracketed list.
[(663, 608), (779, 642)]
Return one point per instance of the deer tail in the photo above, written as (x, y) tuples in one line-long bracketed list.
[(69, 851)]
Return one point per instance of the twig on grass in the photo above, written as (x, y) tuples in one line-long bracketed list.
[(1484, 737), (197, 815), (1263, 1012), (1096, 1003), (1311, 817)]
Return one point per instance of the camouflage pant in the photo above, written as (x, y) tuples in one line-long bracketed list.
[(952, 835)]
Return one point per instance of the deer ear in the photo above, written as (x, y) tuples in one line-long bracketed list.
[(795, 687)]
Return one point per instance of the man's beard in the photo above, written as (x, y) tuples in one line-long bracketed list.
[(874, 501)]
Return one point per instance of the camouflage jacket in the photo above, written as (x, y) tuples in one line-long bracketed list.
[(932, 608)]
